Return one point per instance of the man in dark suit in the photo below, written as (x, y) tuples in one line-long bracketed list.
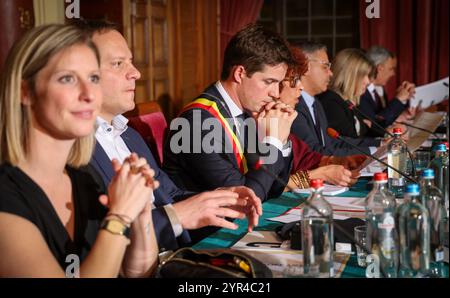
[(311, 122), (209, 144), (374, 102), (175, 211)]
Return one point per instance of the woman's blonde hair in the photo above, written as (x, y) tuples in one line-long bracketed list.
[(27, 57), (349, 67)]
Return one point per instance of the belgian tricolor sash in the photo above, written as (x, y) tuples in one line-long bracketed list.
[(211, 107)]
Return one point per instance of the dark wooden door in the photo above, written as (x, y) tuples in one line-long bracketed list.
[(16, 17)]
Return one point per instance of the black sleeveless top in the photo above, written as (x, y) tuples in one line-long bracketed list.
[(21, 196)]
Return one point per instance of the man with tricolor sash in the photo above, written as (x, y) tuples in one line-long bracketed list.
[(175, 211), (216, 137)]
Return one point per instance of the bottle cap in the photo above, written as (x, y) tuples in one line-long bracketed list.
[(412, 189), (428, 174), (316, 183), (397, 131), (380, 177), (440, 148)]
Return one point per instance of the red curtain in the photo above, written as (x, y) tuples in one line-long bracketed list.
[(417, 31), (234, 15), (16, 17)]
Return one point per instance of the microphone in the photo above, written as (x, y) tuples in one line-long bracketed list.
[(254, 159), (351, 106), (419, 128), (335, 135)]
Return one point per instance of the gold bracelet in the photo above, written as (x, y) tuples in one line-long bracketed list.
[(126, 220), (305, 179), (296, 179), (301, 179)]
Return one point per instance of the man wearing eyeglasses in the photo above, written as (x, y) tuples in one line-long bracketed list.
[(311, 122)]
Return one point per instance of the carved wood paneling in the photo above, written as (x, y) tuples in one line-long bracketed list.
[(16, 17)]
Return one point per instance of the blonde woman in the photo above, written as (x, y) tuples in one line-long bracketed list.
[(51, 213), (350, 79)]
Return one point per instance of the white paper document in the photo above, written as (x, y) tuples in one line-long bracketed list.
[(370, 166), (276, 254), (328, 190), (343, 208), (417, 138), (429, 121), (430, 94), (371, 169)]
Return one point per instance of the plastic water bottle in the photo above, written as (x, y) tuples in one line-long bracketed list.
[(414, 232), (397, 158), (440, 166), (432, 199), (317, 234), (382, 236)]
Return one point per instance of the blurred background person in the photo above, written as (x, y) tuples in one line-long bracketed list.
[(311, 123), (375, 102), (308, 164), (350, 79)]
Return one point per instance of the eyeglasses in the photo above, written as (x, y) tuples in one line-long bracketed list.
[(293, 82), (324, 63)]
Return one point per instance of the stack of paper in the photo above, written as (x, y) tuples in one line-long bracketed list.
[(371, 166), (347, 207), (429, 121), (328, 190), (430, 94), (283, 261), (343, 208), (371, 169)]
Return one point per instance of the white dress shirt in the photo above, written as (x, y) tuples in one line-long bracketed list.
[(236, 111), (109, 137), (309, 100), (379, 89), (371, 89)]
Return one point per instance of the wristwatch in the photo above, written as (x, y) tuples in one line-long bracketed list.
[(116, 227)]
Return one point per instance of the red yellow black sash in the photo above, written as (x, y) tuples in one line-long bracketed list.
[(211, 107)]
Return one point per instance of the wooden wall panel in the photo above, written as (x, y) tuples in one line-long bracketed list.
[(146, 28), (16, 17), (140, 46), (159, 52), (175, 44), (197, 48)]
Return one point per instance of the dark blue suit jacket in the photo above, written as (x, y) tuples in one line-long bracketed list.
[(342, 118), (208, 170), (166, 193), (384, 117), (303, 128)]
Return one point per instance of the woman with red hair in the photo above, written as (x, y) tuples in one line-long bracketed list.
[(309, 164)]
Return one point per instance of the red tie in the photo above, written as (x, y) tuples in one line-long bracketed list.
[(378, 100)]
